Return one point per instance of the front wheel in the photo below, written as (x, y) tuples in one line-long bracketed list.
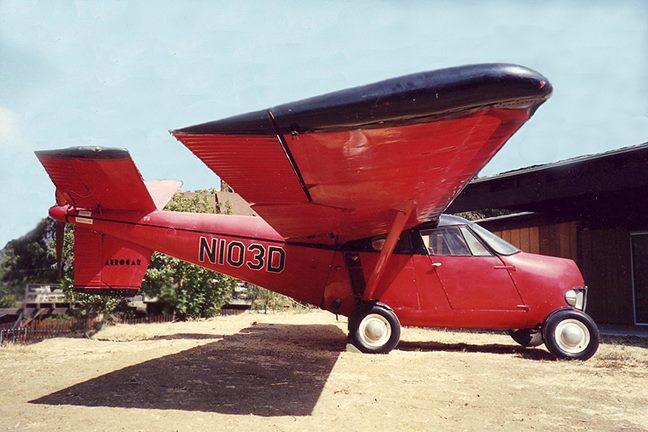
[(570, 334), (373, 328)]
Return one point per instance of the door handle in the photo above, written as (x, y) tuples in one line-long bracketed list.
[(436, 264)]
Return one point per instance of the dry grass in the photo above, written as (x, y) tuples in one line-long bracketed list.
[(623, 353), (290, 372)]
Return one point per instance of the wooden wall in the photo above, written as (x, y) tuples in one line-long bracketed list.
[(606, 267), (603, 256), (559, 240)]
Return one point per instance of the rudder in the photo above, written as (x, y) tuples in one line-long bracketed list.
[(108, 265)]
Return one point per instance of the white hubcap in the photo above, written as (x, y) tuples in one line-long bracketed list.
[(572, 336), (374, 330)]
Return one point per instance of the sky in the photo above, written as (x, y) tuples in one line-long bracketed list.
[(123, 73)]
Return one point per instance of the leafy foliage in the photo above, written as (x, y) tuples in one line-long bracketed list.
[(29, 258), (265, 300), (25, 260), (483, 214), (189, 290), (7, 300), (85, 305)]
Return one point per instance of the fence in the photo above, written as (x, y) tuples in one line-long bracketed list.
[(36, 330), (149, 319), (39, 330)]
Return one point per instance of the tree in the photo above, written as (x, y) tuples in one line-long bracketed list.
[(7, 298), (189, 290), (84, 305), (29, 258), (264, 299), (483, 214)]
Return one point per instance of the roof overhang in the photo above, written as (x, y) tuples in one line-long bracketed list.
[(613, 180)]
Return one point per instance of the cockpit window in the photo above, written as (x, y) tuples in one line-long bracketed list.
[(497, 244), (445, 241), (476, 247)]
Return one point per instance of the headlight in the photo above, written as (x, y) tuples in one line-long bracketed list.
[(577, 297), (571, 297)]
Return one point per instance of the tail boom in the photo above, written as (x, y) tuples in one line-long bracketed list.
[(245, 247)]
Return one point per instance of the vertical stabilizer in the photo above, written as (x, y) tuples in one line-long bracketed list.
[(105, 264)]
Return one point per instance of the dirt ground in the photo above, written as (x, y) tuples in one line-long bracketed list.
[(291, 372)]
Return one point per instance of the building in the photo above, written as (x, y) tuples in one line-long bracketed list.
[(592, 209)]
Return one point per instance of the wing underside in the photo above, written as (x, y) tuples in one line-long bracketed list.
[(337, 167)]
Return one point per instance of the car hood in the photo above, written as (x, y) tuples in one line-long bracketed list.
[(543, 280)]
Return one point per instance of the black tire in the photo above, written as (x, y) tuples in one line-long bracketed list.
[(358, 313), (571, 335), (374, 328), (353, 321), (529, 338)]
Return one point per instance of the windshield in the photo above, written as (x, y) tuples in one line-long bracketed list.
[(497, 244)]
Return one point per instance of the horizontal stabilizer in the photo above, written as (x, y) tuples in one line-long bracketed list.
[(97, 178)]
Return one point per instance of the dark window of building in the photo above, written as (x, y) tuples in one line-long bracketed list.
[(640, 276)]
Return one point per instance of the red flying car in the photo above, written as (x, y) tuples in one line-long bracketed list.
[(350, 188)]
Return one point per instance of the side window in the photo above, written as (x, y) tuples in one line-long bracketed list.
[(476, 247), (445, 241), (403, 246), (377, 243)]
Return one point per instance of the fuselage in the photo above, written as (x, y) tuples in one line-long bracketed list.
[(493, 290), (245, 247)]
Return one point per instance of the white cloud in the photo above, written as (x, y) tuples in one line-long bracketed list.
[(9, 134)]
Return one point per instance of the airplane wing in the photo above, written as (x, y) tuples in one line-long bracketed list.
[(336, 167)]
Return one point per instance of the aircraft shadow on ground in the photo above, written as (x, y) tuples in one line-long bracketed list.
[(529, 353), (177, 336), (265, 370)]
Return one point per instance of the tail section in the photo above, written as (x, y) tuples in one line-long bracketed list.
[(107, 265), (91, 180)]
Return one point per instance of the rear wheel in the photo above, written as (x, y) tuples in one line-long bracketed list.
[(571, 334), (527, 337), (373, 328)]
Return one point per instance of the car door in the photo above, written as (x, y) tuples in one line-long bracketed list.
[(472, 277)]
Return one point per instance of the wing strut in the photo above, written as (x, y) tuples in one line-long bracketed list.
[(388, 249)]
